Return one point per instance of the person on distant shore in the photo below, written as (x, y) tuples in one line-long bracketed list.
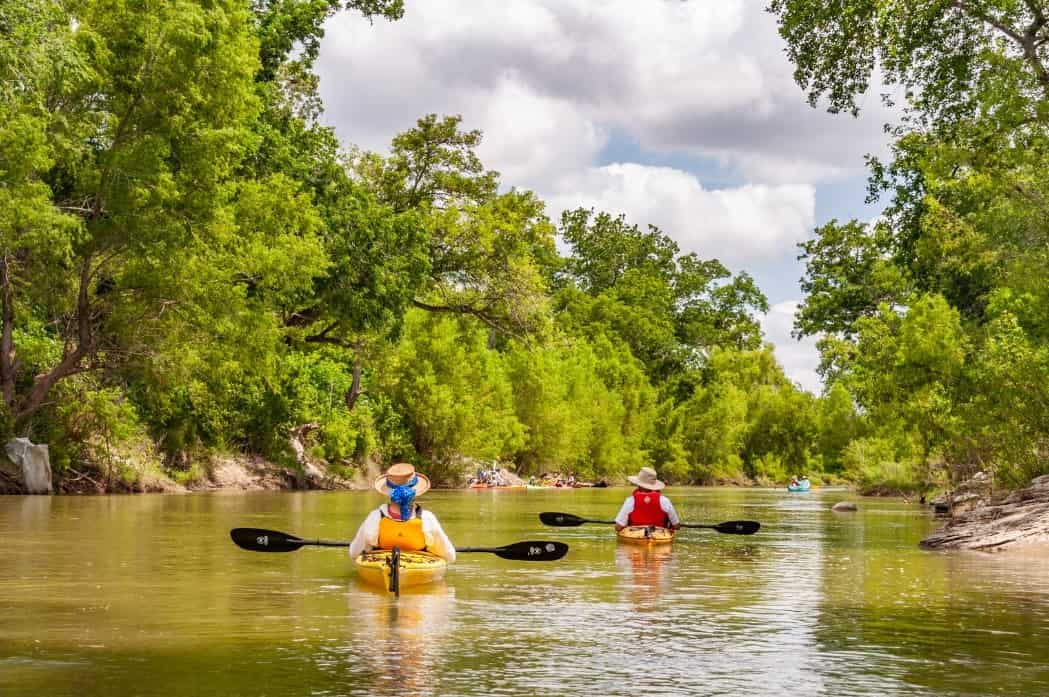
[(402, 522), (646, 506)]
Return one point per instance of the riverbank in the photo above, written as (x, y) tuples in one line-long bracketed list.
[(227, 472), (1007, 521)]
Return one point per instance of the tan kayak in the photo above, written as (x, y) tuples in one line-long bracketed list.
[(415, 568), (646, 535)]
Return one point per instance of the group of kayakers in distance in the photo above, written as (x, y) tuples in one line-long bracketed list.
[(556, 480), (492, 477)]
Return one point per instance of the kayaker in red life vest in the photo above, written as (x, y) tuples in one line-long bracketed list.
[(646, 506), (402, 522)]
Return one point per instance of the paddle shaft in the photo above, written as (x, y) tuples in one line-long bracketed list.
[(732, 527), (493, 550), (680, 525), (340, 543), (261, 540)]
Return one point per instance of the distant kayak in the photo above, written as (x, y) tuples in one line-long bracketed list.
[(646, 535), (415, 568), (518, 487), (801, 486)]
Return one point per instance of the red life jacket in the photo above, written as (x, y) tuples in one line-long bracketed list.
[(647, 510)]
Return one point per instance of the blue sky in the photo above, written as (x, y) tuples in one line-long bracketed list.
[(679, 114)]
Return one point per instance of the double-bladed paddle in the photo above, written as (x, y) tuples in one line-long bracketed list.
[(260, 540), (732, 527)]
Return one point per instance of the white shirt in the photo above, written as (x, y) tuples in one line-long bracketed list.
[(628, 508), (367, 537)]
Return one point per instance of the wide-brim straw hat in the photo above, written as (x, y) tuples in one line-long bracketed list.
[(647, 479), (399, 475)]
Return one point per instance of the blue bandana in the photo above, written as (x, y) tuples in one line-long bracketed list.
[(403, 496)]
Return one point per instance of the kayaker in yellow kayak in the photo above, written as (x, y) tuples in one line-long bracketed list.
[(646, 506), (402, 522)]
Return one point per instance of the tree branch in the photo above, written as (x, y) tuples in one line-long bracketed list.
[(967, 9), (1027, 41), (322, 337), (303, 318), (468, 310), (70, 363)]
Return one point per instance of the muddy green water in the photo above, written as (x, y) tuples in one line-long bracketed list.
[(146, 595)]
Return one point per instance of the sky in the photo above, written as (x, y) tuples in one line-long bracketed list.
[(680, 114)]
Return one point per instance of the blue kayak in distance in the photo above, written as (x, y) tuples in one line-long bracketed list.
[(802, 486)]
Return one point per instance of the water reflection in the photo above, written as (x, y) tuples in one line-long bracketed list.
[(405, 636), (646, 571)]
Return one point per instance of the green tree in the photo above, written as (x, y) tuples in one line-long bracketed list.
[(946, 54), (848, 273), (119, 182), (486, 251), (839, 424), (452, 392), (671, 309)]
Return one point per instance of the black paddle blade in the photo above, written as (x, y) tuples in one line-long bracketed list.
[(259, 540), (739, 527), (561, 520), (532, 551)]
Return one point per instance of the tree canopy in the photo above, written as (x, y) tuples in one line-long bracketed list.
[(209, 268)]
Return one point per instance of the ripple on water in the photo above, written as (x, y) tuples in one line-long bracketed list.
[(814, 604)]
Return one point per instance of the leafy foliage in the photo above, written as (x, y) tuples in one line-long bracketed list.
[(206, 269), (934, 320)]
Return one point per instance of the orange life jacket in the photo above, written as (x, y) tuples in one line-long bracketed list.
[(406, 534), (647, 510)]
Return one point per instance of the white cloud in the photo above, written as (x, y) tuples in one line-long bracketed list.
[(798, 358), (706, 78), (738, 225), (532, 138), (560, 87)]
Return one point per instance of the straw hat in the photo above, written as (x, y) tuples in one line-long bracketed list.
[(399, 475), (646, 479)]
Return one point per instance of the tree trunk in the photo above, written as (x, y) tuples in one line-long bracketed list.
[(297, 441), (71, 361), (7, 342), (355, 387)]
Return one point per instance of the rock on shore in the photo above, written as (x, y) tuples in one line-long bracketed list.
[(1020, 518), (972, 493)]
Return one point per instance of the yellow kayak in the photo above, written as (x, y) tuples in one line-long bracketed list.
[(414, 569), (646, 535)]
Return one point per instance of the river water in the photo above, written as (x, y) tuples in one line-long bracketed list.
[(146, 595)]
